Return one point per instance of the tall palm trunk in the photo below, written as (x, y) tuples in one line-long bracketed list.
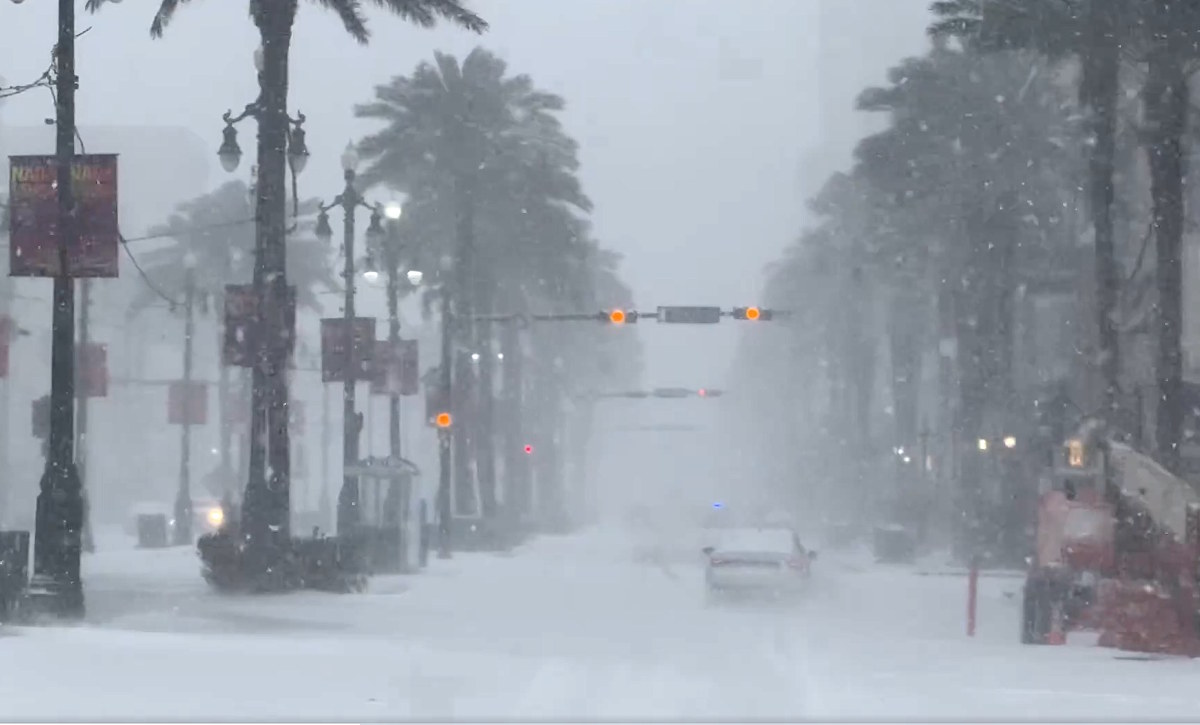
[(517, 494), (465, 499), (225, 439), (1166, 106), (484, 419), (1099, 89), (267, 504)]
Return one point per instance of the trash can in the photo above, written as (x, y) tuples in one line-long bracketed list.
[(14, 571), (152, 531)]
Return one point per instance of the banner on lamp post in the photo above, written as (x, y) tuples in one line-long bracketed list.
[(410, 367), (187, 403), (239, 348), (92, 370), (296, 417), (40, 417), (33, 217), (347, 349), (396, 368), (7, 328)]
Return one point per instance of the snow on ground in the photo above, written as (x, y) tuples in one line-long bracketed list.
[(568, 627)]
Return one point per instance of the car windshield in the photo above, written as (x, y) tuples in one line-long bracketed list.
[(765, 540)]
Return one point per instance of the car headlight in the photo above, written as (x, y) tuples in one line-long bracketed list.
[(216, 517)]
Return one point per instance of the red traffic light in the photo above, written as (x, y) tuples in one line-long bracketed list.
[(528, 448), (443, 420), (617, 317)]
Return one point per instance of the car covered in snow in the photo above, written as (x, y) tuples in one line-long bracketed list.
[(756, 562)]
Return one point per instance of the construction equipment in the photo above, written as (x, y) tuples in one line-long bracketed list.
[(1117, 550)]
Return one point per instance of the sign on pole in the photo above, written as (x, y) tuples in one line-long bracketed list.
[(396, 369), (92, 373), (187, 403), (33, 218), (689, 315), (241, 312), (410, 367), (40, 417), (7, 327), (296, 417), (347, 350)]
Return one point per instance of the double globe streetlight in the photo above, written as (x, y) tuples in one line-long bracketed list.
[(266, 506)]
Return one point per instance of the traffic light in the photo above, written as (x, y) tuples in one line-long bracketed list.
[(710, 393), (754, 314), (443, 420), (528, 449), (619, 317)]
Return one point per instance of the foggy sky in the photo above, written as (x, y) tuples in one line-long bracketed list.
[(703, 123)]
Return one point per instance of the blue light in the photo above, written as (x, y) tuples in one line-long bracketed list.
[(718, 504)]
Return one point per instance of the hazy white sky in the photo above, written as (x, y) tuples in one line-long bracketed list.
[(700, 120)]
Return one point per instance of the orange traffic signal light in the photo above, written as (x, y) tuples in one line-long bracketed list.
[(618, 317), (754, 314), (443, 420)]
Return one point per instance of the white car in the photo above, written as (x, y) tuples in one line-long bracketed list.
[(767, 562)]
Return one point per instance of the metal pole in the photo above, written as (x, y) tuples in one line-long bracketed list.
[(444, 437), (59, 518), (81, 416), (326, 434), (348, 499), (183, 499), (392, 261)]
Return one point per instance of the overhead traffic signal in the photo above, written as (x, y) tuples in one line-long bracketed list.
[(443, 420), (754, 314), (619, 317)]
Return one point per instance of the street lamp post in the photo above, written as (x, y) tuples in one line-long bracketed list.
[(58, 539), (349, 200), (266, 509)]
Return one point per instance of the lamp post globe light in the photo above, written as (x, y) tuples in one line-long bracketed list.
[(266, 506)]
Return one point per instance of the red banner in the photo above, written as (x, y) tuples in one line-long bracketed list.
[(241, 312), (187, 403), (410, 368), (33, 221), (40, 417), (396, 369), (342, 361), (296, 417), (91, 370), (7, 327)]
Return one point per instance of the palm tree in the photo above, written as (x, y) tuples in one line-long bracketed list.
[(213, 237), (1095, 31), (486, 164), (267, 503), (1172, 29)]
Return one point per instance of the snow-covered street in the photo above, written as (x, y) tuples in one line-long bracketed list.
[(565, 627)]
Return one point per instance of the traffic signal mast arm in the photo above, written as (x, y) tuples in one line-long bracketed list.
[(667, 315)]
